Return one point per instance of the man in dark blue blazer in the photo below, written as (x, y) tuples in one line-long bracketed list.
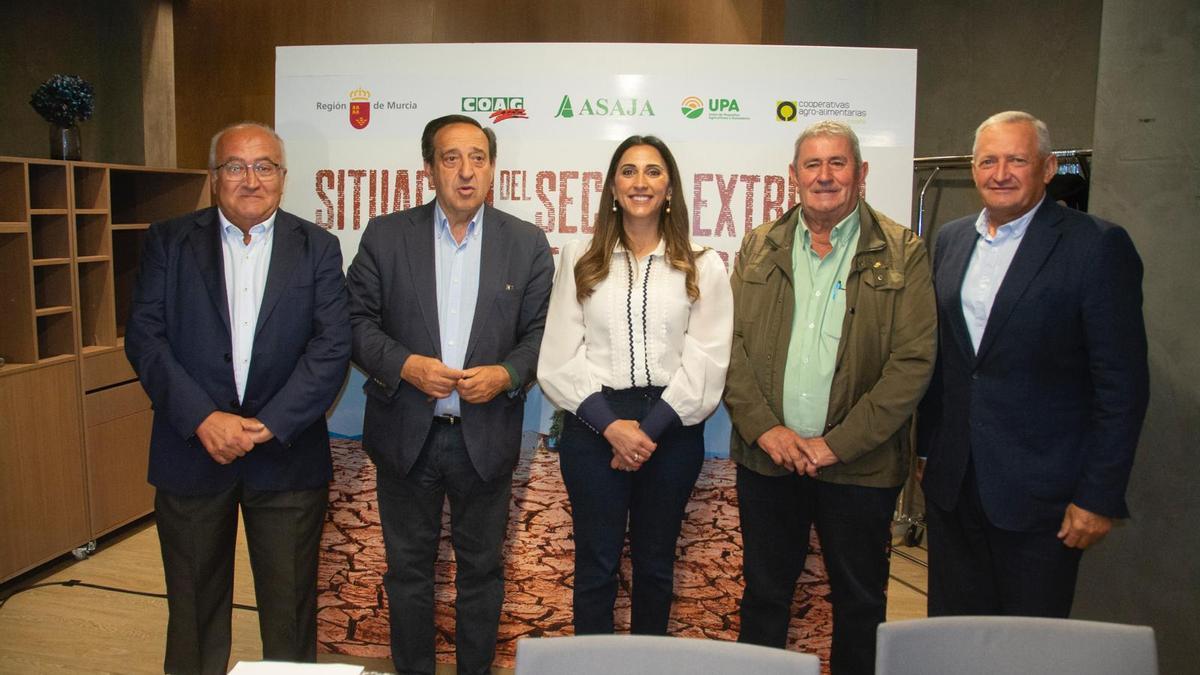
[(240, 334), (448, 304), (1030, 424)]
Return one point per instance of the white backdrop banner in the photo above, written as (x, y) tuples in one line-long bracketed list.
[(352, 117)]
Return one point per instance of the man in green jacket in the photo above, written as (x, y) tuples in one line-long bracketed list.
[(833, 346)]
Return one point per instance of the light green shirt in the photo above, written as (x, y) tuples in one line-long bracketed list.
[(820, 296)]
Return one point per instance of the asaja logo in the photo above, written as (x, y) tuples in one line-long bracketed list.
[(785, 111), (604, 107), (360, 108), (692, 107)]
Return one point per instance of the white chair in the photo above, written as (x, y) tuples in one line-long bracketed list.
[(1014, 645), (636, 654)]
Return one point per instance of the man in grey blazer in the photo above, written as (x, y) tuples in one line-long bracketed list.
[(448, 303)]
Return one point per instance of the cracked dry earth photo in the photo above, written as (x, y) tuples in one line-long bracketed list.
[(353, 609)]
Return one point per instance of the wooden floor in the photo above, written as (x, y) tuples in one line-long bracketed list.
[(113, 620)]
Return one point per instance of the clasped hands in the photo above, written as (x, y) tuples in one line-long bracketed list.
[(227, 436), (630, 445), (475, 385), (797, 454)]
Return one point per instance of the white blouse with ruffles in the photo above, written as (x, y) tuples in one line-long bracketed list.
[(638, 328)]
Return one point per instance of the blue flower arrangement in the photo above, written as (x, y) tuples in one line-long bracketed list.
[(64, 100)]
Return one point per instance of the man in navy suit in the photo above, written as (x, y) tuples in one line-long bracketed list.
[(1030, 424), (448, 304), (240, 334)]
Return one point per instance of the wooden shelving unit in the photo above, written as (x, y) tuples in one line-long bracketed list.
[(75, 426)]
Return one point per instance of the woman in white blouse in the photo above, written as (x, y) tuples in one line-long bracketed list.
[(635, 350)]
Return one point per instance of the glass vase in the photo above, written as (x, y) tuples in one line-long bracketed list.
[(64, 142)]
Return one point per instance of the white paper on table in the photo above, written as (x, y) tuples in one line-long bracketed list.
[(288, 668)]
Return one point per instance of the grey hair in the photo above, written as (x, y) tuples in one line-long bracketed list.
[(831, 128), (1017, 117), (212, 146)]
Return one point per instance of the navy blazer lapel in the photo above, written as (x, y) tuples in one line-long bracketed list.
[(206, 247), (1035, 248), (492, 268), (416, 237), (955, 262), (287, 247)]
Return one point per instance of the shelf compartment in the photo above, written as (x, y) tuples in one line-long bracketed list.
[(55, 335), (96, 322), (127, 251), (91, 188), (13, 207), (52, 286), (18, 343), (51, 236), (47, 186), (91, 234), (147, 196)]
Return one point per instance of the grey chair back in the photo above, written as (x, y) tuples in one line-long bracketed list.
[(637, 654), (1011, 645)]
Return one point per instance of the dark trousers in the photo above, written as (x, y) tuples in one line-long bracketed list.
[(854, 525), (198, 535), (976, 568), (410, 508), (650, 500)]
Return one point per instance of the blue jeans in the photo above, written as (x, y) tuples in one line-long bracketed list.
[(651, 500)]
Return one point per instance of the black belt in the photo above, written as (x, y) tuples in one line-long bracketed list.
[(449, 420)]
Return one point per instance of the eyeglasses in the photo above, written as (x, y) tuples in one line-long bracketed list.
[(235, 170)]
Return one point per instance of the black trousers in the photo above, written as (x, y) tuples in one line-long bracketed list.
[(976, 568), (854, 524), (198, 535), (410, 509), (650, 500)]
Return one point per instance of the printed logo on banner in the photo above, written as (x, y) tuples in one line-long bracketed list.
[(718, 108), (790, 111), (360, 108), (499, 108), (604, 107)]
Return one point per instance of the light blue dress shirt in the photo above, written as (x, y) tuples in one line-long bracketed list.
[(246, 267), (457, 273), (985, 272)]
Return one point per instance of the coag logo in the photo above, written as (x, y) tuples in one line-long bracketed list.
[(360, 108), (604, 107), (785, 111), (692, 107), (499, 108)]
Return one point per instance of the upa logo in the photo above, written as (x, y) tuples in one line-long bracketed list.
[(360, 108), (693, 108)]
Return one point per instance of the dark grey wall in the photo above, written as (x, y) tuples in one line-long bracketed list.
[(1147, 178), (99, 41), (973, 59)]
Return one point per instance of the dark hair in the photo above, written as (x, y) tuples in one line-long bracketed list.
[(435, 125), (673, 227)]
